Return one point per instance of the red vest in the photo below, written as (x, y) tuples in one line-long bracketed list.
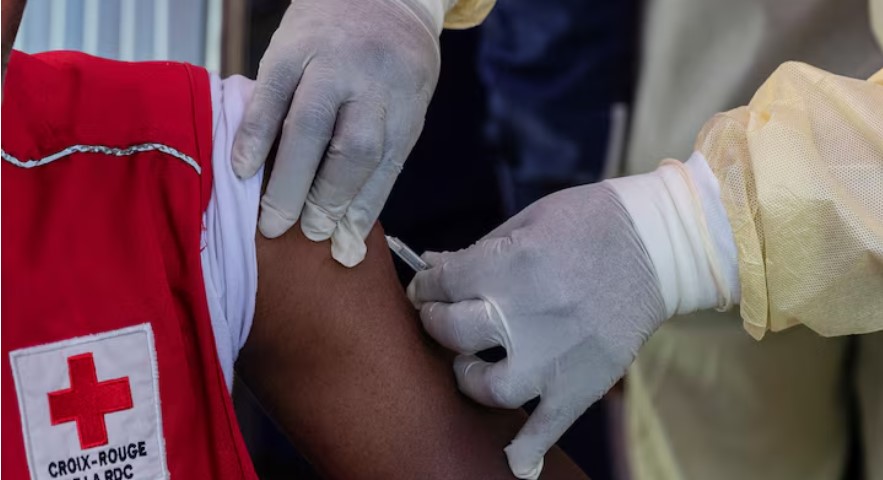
[(109, 362)]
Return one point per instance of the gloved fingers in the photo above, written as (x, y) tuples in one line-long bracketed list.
[(456, 276), (464, 327), (439, 283), (347, 242), (347, 246), (434, 258), (305, 136), (274, 88), (491, 384), (353, 155), (544, 427)]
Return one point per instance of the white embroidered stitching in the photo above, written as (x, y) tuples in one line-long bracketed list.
[(116, 152)]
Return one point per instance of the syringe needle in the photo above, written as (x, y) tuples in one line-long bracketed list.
[(405, 253)]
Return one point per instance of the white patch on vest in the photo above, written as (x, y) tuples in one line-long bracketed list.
[(113, 374)]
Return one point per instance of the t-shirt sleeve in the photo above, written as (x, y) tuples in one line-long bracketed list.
[(228, 254)]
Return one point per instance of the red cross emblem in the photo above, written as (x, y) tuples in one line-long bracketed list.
[(88, 400)]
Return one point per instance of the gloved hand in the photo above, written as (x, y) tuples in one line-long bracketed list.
[(352, 79), (569, 289)]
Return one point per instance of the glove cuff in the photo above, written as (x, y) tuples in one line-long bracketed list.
[(717, 224), (437, 9), (686, 233)]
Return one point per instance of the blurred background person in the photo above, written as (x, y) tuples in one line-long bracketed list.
[(795, 405)]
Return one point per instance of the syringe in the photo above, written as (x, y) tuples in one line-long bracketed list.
[(407, 255)]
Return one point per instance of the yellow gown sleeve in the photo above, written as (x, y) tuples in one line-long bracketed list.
[(801, 176), (468, 13)]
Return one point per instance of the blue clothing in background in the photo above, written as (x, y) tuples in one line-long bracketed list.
[(559, 76)]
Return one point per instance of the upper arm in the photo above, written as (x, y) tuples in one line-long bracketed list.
[(338, 358)]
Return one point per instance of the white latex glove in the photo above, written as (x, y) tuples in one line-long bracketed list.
[(352, 80), (568, 288)]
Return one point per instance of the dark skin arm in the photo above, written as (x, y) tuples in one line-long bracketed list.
[(337, 357)]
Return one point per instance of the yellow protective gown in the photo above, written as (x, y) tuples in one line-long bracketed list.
[(685, 79), (778, 408), (801, 175), (467, 13)]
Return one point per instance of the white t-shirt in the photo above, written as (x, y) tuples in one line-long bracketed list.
[(229, 262)]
